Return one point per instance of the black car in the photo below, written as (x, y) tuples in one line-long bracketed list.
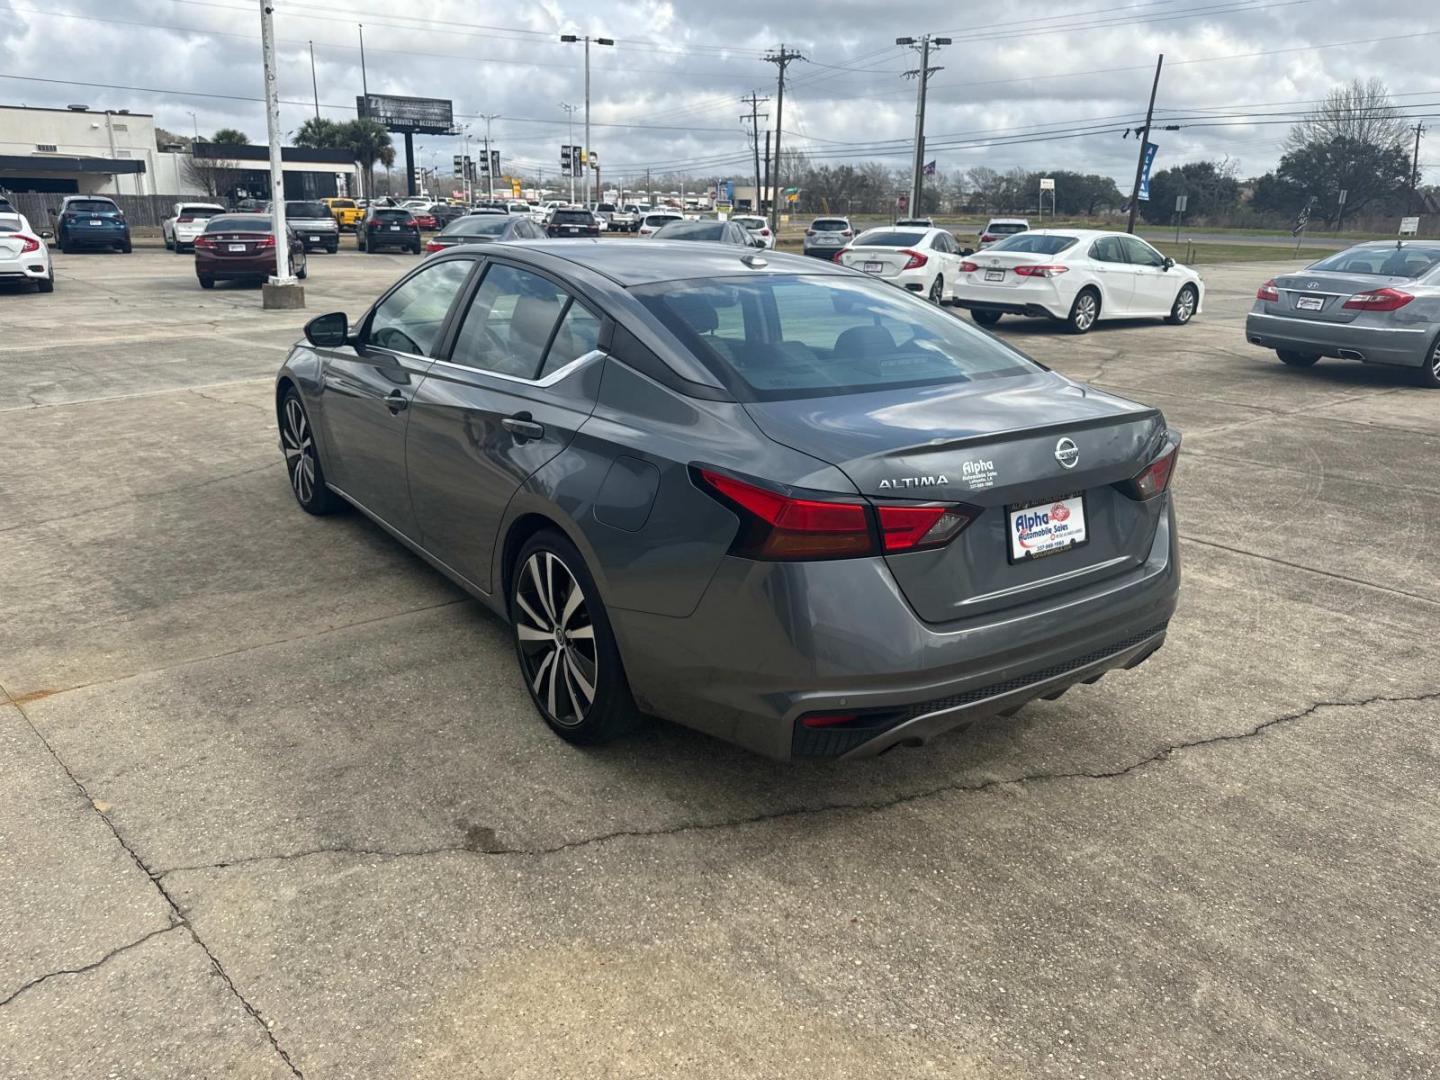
[(444, 213), (90, 221), (713, 232), (485, 229), (388, 226), (572, 222)]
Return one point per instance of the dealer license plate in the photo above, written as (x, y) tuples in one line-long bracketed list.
[(1310, 303), (235, 247), (314, 239), (994, 275), (1046, 528), (394, 228), (96, 221), (872, 267)]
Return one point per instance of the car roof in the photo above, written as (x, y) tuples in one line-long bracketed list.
[(650, 261)]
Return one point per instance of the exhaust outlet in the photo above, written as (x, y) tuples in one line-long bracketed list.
[(1350, 354)]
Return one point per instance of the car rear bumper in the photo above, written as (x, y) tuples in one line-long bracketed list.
[(246, 267), (29, 267), (770, 643), (1395, 346), (95, 237), (1040, 300)]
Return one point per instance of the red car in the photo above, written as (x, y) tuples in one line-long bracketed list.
[(425, 220), (241, 247)]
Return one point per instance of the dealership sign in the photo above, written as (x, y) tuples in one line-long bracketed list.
[(428, 116)]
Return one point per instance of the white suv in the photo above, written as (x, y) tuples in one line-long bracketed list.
[(756, 226), (827, 235), (1001, 227), (187, 221)]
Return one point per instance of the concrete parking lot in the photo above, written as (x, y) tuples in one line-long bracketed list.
[(276, 803)]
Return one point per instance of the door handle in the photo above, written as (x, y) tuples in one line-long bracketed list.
[(522, 427), (396, 403)]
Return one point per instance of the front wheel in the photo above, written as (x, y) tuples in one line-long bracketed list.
[(565, 645), (985, 318), (302, 461), (1184, 307), (1295, 359), (169, 243), (1083, 312)]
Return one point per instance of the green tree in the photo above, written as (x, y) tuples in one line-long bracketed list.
[(1211, 187), (369, 143), (231, 137), (317, 133), (1085, 194), (1373, 177)]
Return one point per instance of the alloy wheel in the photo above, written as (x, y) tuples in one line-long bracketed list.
[(1185, 305), (299, 451), (937, 289), (557, 638), (1084, 311), (1435, 362)]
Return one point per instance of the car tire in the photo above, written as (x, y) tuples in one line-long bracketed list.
[(1295, 359), (986, 318), (937, 291), (177, 248), (126, 248), (302, 459), (303, 271), (1183, 310), (47, 284), (60, 243), (1429, 374), (334, 249), (170, 244), (1083, 312), (415, 248), (557, 674), (206, 281)]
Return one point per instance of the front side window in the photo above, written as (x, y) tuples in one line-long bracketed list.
[(410, 318), (1140, 253), (509, 324), (791, 336)]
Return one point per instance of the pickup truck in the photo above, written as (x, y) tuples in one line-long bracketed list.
[(626, 219), (347, 214)]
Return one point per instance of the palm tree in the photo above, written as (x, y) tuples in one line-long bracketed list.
[(231, 137), (321, 134), (368, 142)]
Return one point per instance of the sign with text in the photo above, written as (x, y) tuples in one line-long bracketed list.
[(429, 116), (1409, 226)]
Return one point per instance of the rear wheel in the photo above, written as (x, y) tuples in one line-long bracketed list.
[(1429, 374), (334, 249), (985, 318), (302, 461), (125, 248), (206, 281), (47, 284), (1083, 312), (937, 290), (1184, 308), (1295, 359), (564, 643)]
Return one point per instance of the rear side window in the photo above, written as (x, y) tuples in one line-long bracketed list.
[(1038, 243), (509, 324), (793, 336), (1107, 250), (890, 238), (410, 318)]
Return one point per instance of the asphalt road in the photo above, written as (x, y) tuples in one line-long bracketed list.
[(276, 803)]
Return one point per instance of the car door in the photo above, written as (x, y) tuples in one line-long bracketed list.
[(949, 256), (1114, 274), (368, 388), (1155, 287), (518, 382)]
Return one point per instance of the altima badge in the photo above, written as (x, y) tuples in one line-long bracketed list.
[(1067, 453)]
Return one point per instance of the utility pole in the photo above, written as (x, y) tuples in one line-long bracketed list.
[(364, 84), (754, 100), (314, 85), (1144, 139), (782, 60), (585, 157), (922, 77), (570, 113), (1415, 161), (282, 290), (761, 208), (649, 194), (489, 165)]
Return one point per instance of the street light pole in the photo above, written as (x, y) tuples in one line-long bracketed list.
[(282, 291), (489, 170), (585, 155), (570, 112), (314, 83)]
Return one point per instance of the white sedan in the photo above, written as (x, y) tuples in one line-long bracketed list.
[(24, 255), (1077, 276), (186, 222), (925, 261)]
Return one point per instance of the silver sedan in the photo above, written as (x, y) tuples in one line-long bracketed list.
[(1378, 303)]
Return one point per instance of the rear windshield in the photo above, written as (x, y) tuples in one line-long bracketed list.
[(1039, 243), (306, 210), (749, 222), (392, 214), (654, 220), (482, 225), (791, 335), (238, 223), (343, 204), (200, 211), (92, 206), (1005, 228), (830, 225), (607, 207), (692, 230), (1407, 261), (573, 217), (889, 238)]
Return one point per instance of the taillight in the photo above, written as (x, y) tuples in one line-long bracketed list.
[(836, 257), (1155, 477), (1040, 271), (266, 242), (204, 243), (915, 261), (775, 525), (968, 267), (29, 243), (809, 232), (1379, 300), (764, 232), (847, 234), (184, 220), (987, 239), (433, 246), (1267, 291)]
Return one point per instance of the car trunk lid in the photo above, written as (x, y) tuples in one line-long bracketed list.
[(1321, 296), (998, 267), (885, 262), (992, 445)]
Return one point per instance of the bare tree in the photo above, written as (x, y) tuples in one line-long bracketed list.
[(1361, 112), (214, 176)]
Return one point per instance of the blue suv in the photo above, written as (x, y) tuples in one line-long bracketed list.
[(90, 221)]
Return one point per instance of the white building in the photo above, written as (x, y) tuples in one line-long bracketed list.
[(110, 152)]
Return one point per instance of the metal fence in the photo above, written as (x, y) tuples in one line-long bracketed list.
[(144, 211)]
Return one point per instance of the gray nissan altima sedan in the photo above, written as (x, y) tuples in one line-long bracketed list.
[(760, 495)]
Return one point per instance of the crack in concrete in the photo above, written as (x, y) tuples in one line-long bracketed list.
[(222, 401), (873, 805), (177, 913), (86, 967), (1309, 569)]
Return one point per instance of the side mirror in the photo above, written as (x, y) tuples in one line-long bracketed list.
[(52, 211), (47, 234), (1168, 263), (328, 331)]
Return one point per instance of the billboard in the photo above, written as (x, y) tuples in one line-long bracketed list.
[(430, 116)]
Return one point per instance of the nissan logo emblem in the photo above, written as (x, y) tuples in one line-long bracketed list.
[(1067, 453)]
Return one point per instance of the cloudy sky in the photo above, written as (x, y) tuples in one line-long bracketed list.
[(1052, 87)]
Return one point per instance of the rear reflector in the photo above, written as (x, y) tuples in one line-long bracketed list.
[(1379, 300), (823, 720), (1267, 291), (1041, 271)]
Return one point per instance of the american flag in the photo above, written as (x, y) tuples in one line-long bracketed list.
[(930, 168)]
